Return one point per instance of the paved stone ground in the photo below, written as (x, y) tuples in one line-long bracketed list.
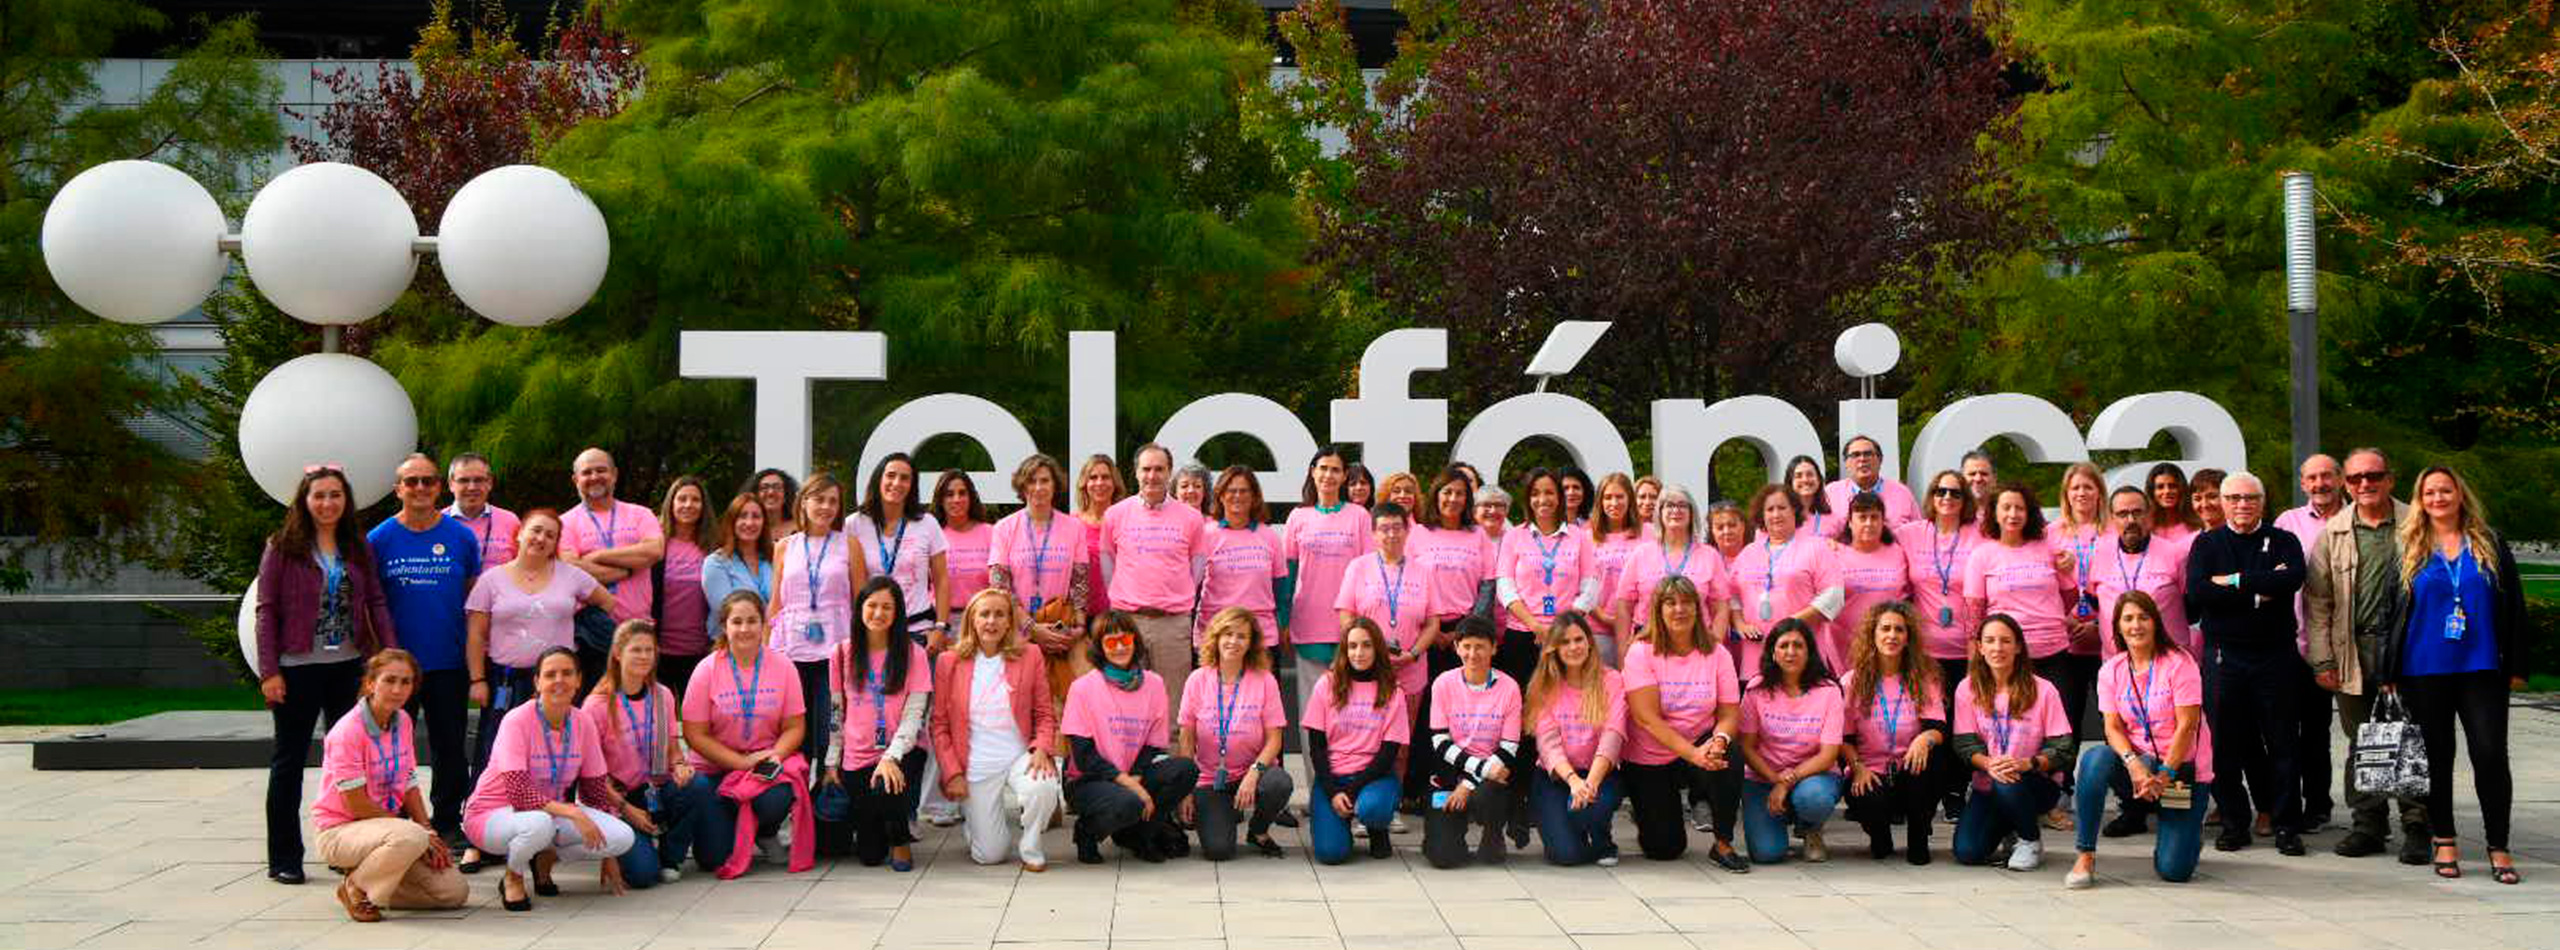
[(172, 858)]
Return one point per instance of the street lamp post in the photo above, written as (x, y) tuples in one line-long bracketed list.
[(2302, 312)]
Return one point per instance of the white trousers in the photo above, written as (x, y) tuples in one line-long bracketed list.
[(522, 834), (1008, 805)]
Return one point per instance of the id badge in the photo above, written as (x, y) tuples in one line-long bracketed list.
[(1764, 605), (2178, 795), (2454, 623), (2086, 608), (817, 631), (1946, 616), (1548, 606)]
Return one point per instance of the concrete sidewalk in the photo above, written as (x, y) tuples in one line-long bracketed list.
[(173, 858)]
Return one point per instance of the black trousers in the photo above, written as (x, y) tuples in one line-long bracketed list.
[(1444, 832), (1106, 809), (2479, 702), (2319, 711), (2259, 724), (1420, 765), (1908, 799), (676, 672), (509, 687), (879, 818), (1654, 792), (1951, 792), (314, 696), (442, 706), (2079, 685)]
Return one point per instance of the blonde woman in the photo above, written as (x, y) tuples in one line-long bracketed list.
[(1098, 487), (995, 724), (1578, 709), (2458, 645)]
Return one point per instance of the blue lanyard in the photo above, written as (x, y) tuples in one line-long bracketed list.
[(889, 549), (879, 702), (2139, 697), (333, 570), (815, 566), (2002, 725), (1039, 557), (1946, 566), (2131, 580), (1814, 526), (604, 533), (2082, 554), (2454, 569), (1394, 591), (644, 731), (1682, 569), (556, 760), (388, 754), (746, 692), (1892, 709), (1226, 718), (1546, 555)]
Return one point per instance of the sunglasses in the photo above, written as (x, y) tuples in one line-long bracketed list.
[(419, 481), (1119, 641), (1944, 492), (2360, 478)]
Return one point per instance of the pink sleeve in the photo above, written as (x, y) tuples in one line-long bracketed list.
[(1550, 738), (1637, 669), (1750, 712), (591, 762), (1933, 705), (586, 584), (1439, 706), (1728, 682), (342, 756), (1193, 686), (2110, 687), (2187, 688), (650, 529), (1834, 715), (1000, 541), (1279, 563), (1289, 536), (1275, 715), (1826, 568), (484, 594), (1976, 585), (1074, 540), (1344, 597), (1399, 722), (1079, 719), (697, 692), (1110, 535), (793, 703), (1964, 711), (2050, 714), (1162, 737), (508, 753), (1319, 709), (1613, 732), (1510, 715)]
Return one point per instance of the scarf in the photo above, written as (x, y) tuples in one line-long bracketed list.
[(1124, 679)]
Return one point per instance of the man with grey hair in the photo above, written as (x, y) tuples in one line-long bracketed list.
[(2354, 571), (1148, 541), (2241, 581)]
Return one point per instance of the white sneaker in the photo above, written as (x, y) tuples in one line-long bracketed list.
[(2079, 880), (669, 875), (1607, 861), (943, 819), (1814, 850), (1701, 818), (2027, 856), (1395, 826)]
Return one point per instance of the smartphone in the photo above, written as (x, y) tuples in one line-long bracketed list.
[(1440, 800), (769, 769)]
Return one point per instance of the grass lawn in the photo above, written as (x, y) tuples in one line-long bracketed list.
[(89, 705)]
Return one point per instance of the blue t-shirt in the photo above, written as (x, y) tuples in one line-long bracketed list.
[(2432, 596), (425, 577)]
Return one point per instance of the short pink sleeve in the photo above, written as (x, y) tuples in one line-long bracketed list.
[(484, 592), (1977, 567), (1834, 714), (1275, 715), (1637, 667)]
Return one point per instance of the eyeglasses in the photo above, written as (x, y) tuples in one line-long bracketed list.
[(2129, 514), (1865, 454), (2360, 478), (2229, 498)]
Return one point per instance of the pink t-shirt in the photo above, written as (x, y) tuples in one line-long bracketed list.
[(383, 762), (812, 583), (1527, 558), (633, 732), (1609, 560), (743, 706), (1899, 506), (1935, 561), (1354, 731), (583, 531), (905, 552), (2306, 523), (1119, 721), (1097, 590), (2149, 703), (1691, 685), (1239, 565), (1323, 544), (1247, 708), (2022, 583), (685, 631), (495, 527), (966, 564), (1891, 720), (2009, 736), (554, 759), (1806, 566), (1040, 558), (1479, 719), (1150, 550), (866, 726), (1566, 732), (1867, 578), (2160, 571), (1459, 561), (1792, 729), (1649, 564), (522, 625), (1366, 585)]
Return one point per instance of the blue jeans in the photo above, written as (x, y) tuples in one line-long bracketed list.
[(716, 817), (1574, 835), (1808, 806), (1329, 836), (2010, 809), (2181, 840), (676, 817)]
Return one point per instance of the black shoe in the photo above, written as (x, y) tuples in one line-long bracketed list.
[(1880, 846), (2289, 843), (2316, 821), (1954, 808), (2358, 844), (2235, 836), (1724, 856), (1286, 819), (2413, 847), (1491, 853), (1173, 844), (2126, 825), (1519, 837), (286, 875), (1918, 851), (1262, 843), (1379, 844), (1088, 852), (545, 887), (472, 865)]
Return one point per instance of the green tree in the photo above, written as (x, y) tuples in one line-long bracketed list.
[(70, 384)]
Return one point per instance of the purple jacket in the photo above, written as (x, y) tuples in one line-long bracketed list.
[(289, 607)]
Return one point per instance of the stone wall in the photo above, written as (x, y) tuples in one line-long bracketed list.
[(59, 642)]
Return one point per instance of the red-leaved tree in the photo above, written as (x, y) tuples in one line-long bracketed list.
[(1718, 177)]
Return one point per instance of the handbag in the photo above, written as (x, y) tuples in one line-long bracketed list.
[(833, 802), (2390, 755)]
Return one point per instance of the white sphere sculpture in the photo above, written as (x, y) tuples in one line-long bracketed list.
[(332, 409), (134, 242), (249, 625), (1867, 350), (330, 243), (522, 246)]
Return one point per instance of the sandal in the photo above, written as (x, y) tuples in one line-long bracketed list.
[(2503, 873), (2449, 870), (1264, 844)]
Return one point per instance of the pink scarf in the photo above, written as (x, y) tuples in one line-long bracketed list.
[(743, 786)]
